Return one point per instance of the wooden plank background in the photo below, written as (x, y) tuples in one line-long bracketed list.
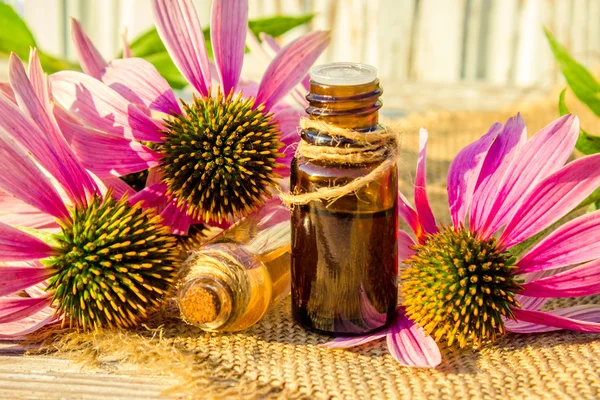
[(500, 42), (49, 378)]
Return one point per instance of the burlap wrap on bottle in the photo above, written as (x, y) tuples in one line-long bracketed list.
[(380, 145)]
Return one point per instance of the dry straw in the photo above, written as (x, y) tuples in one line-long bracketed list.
[(380, 145)]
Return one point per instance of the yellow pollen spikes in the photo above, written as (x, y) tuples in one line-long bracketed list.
[(459, 288), (219, 158), (115, 264)]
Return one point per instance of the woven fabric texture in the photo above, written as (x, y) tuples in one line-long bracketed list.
[(278, 359)]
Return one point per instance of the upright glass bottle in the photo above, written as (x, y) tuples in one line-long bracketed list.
[(231, 282), (344, 252)]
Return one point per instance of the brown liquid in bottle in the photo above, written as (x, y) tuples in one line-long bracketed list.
[(344, 252)]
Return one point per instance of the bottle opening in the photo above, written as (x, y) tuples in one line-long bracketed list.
[(205, 302), (343, 74)]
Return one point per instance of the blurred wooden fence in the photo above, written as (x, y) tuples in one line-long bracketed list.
[(500, 42)]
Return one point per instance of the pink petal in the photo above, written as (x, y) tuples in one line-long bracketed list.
[(271, 48), (286, 161), (16, 245), (109, 155), (534, 303), (176, 218), (19, 329), (139, 82), (152, 196), (368, 313), (410, 346), (353, 341), (180, 31), (409, 215), (573, 243), (271, 214), (545, 153), (46, 144), (583, 280), (14, 279), (552, 198), (16, 212), (588, 319), (290, 66), (7, 92), (155, 195), (19, 175), (92, 62), (530, 303), (426, 218), (16, 308), (126, 47), (288, 119), (12, 205), (39, 80), (269, 44), (405, 243), (586, 312), (228, 34), (248, 88), (118, 186), (36, 220), (463, 174), (506, 144), (102, 108), (155, 176)]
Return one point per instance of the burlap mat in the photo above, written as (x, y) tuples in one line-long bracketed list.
[(277, 359)]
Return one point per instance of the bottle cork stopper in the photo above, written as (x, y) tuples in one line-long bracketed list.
[(343, 74), (199, 305)]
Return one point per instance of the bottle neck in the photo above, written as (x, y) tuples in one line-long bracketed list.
[(346, 106), (215, 290)]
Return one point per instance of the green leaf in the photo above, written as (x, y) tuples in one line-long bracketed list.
[(580, 80), (277, 26), (147, 43), (149, 46), (586, 143), (14, 35)]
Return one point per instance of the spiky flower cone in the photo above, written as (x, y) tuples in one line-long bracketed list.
[(115, 264), (219, 158), (458, 287)]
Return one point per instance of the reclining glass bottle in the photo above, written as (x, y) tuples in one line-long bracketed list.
[(344, 251), (229, 283)]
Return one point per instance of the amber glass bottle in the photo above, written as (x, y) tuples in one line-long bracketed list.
[(344, 252)]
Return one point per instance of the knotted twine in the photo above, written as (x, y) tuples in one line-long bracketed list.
[(378, 145)]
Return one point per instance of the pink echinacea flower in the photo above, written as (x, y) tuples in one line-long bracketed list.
[(215, 158), (466, 282), (106, 262)]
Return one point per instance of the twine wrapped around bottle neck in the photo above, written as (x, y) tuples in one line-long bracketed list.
[(381, 145)]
